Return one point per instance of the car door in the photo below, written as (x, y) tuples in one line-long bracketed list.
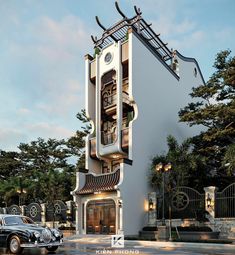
[(3, 233)]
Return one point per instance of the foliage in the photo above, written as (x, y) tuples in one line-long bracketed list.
[(96, 52), (229, 159), (185, 166), (45, 169), (214, 109)]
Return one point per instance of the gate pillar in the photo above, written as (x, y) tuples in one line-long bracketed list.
[(210, 200), (43, 214)]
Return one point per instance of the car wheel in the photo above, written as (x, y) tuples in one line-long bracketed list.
[(14, 245), (53, 248)]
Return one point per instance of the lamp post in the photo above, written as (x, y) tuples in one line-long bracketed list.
[(162, 169)]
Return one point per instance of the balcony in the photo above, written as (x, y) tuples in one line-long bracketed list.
[(125, 98), (110, 102), (109, 138)]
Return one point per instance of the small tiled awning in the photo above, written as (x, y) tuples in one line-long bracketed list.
[(105, 182)]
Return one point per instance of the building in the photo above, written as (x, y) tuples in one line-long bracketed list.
[(135, 86)]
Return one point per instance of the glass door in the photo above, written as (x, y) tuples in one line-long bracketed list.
[(101, 217)]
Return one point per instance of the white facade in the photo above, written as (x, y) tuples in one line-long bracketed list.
[(153, 95)]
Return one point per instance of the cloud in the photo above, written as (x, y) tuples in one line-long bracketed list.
[(46, 130), (69, 31), (188, 41), (53, 67), (24, 111), (9, 137)]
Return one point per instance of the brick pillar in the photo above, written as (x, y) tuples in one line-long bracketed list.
[(210, 200)]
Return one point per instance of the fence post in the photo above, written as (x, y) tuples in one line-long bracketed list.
[(210, 200)]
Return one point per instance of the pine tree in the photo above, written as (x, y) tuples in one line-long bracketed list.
[(213, 107)]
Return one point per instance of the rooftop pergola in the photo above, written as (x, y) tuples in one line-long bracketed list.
[(119, 31)]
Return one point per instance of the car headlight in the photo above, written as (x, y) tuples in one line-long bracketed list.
[(55, 232), (36, 234)]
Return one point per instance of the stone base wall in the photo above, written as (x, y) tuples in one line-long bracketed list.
[(226, 226)]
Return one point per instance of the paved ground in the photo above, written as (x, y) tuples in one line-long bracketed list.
[(101, 245)]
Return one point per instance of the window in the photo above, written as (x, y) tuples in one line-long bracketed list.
[(105, 167), (195, 71)]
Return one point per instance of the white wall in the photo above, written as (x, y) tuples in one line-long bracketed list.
[(158, 96)]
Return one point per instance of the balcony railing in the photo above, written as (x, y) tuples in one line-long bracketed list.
[(125, 98), (111, 100), (108, 138)]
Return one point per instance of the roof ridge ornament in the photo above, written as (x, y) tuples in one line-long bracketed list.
[(94, 39), (119, 10), (137, 10), (98, 22)]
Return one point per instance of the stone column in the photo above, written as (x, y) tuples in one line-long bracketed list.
[(152, 212), (79, 214), (23, 209), (43, 214), (210, 200), (69, 211)]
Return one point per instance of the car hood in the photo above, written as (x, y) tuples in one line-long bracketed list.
[(26, 227)]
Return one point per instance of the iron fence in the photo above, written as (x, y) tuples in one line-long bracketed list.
[(225, 202), (182, 203)]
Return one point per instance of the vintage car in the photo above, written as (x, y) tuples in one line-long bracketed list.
[(18, 232)]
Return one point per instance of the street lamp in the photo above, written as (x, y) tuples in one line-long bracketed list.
[(162, 169)]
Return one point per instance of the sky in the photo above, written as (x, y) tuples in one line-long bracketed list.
[(42, 48)]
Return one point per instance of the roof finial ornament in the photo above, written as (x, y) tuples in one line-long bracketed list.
[(98, 22), (119, 10), (94, 39), (137, 10)]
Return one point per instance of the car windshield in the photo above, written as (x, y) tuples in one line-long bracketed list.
[(17, 220)]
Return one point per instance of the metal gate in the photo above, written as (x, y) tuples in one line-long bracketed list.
[(33, 211), (14, 209), (181, 203), (225, 202), (56, 211)]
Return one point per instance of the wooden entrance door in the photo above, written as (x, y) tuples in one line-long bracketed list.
[(101, 217)]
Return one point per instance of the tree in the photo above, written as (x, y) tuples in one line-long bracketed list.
[(214, 109), (45, 162), (45, 168), (229, 159), (185, 166)]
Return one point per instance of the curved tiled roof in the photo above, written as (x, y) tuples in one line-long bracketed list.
[(104, 182)]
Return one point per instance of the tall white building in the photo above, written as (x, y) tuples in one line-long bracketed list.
[(135, 87)]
